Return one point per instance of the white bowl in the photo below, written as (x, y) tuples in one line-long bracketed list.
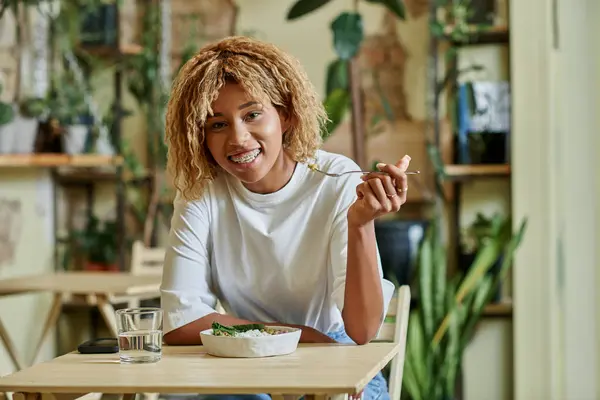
[(252, 347)]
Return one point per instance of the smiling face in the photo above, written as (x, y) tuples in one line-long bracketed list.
[(245, 138)]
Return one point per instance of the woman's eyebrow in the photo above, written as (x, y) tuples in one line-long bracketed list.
[(241, 107)]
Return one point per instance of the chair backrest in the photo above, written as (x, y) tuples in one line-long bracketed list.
[(394, 329), (146, 260)]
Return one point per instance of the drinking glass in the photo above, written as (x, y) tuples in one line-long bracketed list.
[(140, 334)]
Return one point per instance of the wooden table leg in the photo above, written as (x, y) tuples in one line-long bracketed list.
[(27, 396), (50, 323), (10, 347), (108, 314), (316, 397), (75, 396)]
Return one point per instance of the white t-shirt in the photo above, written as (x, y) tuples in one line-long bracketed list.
[(267, 257)]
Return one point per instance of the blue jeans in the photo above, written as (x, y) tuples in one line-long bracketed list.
[(375, 390)]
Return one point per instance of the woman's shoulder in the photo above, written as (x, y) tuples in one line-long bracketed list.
[(334, 162), (202, 200)]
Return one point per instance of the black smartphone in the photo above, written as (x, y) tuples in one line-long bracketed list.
[(99, 346)]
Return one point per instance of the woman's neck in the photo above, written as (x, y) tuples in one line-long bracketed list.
[(279, 175)]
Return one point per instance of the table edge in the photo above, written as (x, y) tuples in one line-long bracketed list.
[(205, 390)]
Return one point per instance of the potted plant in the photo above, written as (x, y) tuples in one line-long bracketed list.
[(474, 237), (7, 115), (31, 109), (95, 245), (68, 106), (449, 308)]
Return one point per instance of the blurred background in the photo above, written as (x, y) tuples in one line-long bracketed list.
[(496, 101)]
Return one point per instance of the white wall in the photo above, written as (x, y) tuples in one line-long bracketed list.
[(555, 124)]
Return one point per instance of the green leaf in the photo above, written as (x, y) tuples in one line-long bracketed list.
[(426, 283), (440, 270), (303, 7), (436, 29), (337, 76), (418, 350), (453, 351), (336, 105), (395, 6), (347, 34), (409, 380), (7, 113)]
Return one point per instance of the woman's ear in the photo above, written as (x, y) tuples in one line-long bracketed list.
[(286, 121)]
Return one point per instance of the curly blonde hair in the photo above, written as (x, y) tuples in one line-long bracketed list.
[(266, 73)]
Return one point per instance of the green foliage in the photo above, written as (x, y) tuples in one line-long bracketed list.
[(336, 104), (96, 243), (7, 114), (348, 35), (337, 76), (481, 230), (449, 309), (303, 7), (67, 102), (33, 107)]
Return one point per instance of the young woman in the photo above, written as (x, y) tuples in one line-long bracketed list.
[(254, 227)]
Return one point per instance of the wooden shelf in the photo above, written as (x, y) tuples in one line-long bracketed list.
[(490, 35), (504, 309), (84, 177), (455, 172), (57, 160), (108, 51)]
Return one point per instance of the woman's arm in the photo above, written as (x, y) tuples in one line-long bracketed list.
[(190, 334), (356, 268), (363, 297)]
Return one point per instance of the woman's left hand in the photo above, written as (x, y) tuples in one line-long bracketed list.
[(380, 193)]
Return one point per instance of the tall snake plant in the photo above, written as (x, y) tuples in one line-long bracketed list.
[(449, 309)]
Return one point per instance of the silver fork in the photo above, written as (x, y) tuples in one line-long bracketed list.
[(314, 168)]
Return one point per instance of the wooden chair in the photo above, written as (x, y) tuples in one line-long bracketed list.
[(394, 329), (146, 260)]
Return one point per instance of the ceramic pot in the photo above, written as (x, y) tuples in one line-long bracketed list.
[(74, 139)]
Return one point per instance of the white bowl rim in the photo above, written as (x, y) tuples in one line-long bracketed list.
[(289, 329)]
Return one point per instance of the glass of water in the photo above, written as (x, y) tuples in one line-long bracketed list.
[(140, 334)]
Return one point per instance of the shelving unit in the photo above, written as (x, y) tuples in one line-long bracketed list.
[(86, 170), (457, 174)]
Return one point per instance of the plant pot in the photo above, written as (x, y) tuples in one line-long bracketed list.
[(487, 148), (74, 139), (7, 137), (99, 25), (482, 12), (398, 242), (25, 134), (466, 261), (95, 267)]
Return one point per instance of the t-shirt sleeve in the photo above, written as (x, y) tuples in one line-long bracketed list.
[(186, 293), (339, 245)]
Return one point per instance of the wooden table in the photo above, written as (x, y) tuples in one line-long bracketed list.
[(314, 369), (96, 289)]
